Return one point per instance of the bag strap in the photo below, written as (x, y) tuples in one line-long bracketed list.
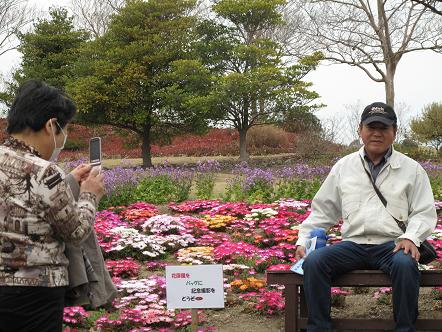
[(382, 198)]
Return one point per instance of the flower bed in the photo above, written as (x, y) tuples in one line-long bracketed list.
[(246, 238)]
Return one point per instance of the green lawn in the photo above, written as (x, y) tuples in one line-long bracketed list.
[(180, 160)]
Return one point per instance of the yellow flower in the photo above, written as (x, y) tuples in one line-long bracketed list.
[(243, 287)]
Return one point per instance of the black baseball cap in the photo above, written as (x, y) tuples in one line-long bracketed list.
[(379, 112)]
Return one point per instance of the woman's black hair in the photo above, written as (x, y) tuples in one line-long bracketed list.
[(35, 103)]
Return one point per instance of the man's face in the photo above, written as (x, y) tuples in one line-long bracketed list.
[(377, 137)]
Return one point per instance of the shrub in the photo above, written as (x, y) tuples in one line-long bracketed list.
[(122, 195), (310, 145), (260, 191), (267, 136), (75, 145), (156, 189), (165, 184), (297, 189), (215, 142)]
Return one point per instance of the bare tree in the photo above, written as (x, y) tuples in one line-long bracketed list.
[(333, 129), (14, 16), (94, 15), (353, 119), (434, 5), (372, 35), (403, 121)]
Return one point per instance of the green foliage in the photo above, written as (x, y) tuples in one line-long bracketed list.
[(417, 153), (264, 191), (234, 192), (182, 189), (49, 52), (250, 190), (157, 190), (337, 300), (123, 195), (297, 188), (252, 15), (74, 145), (161, 189), (436, 294), (384, 299), (300, 120), (140, 75), (260, 191), (436, 186), (428, 128), (204, 184)]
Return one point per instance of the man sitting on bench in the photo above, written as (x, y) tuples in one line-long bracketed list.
[(372, 238)]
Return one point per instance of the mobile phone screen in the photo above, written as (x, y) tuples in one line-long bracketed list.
[(95, 151)]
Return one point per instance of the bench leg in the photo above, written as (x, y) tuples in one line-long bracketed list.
[(291, 308), (302, 303)]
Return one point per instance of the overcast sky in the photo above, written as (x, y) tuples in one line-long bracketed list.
[(418, 81)]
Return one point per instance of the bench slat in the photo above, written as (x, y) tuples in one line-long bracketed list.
[(367, 278)]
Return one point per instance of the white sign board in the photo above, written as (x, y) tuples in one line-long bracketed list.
[(198, 286)]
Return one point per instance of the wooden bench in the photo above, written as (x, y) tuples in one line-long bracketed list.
[(296, 311)]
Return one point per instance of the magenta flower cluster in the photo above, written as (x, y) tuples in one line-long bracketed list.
[(135, 238)]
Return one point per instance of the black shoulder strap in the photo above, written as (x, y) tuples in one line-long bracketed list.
[(381, 197)]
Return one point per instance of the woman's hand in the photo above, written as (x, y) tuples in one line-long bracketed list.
[(81, 172), (94, 183)]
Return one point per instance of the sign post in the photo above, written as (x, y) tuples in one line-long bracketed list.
[(194, 326), (195, 287)]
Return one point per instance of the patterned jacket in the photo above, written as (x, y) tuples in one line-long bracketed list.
[(38, 214)]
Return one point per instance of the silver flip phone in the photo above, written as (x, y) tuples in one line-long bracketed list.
[(95, 151)]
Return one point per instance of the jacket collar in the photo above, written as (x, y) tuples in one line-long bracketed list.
[(393, 161), (18, 145)]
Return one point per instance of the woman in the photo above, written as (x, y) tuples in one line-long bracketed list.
[(38, 213)]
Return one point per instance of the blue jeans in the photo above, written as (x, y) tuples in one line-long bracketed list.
[(324, 264)]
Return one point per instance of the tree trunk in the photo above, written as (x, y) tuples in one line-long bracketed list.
[(389, 85), (243, 154), (145, 148)]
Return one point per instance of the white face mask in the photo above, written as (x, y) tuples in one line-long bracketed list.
[(57, 151)]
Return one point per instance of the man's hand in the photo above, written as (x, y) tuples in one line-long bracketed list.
[(408, 246), (300, 252), (81, 172)]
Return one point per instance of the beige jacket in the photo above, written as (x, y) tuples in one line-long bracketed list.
[(348, 193), (38, 215)]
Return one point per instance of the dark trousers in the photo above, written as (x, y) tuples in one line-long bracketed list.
[(31, 309), (323, 265)]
